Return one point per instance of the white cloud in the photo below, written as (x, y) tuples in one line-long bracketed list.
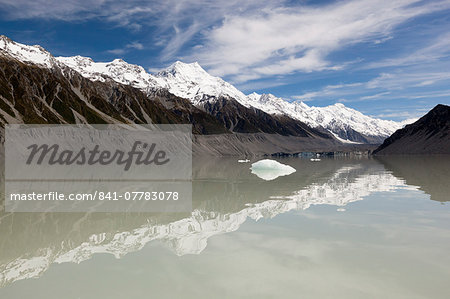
[(51, 9), (406, 115), (375, 96), (128, 47), (173, 22), (135, 45), (331, 91), (410, 84), (402, 80), (246, 40), (288, 39), (117, 51), (178, 40)]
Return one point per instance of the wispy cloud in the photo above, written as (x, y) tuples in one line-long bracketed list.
[(408, 84), (173, 22), (334, 91), (180, 37), (375, 96), (406, 115), (287, 39), (128, 47), (246, 40), (437, 49), (408, 79), (52, 9)]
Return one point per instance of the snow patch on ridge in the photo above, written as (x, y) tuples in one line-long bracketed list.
[(31, 54), (335, 118), (118, 70), (191, 81)]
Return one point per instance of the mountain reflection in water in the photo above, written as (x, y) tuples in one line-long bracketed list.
[(225, 195)]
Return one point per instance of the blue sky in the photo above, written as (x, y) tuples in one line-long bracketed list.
[(389, 59)]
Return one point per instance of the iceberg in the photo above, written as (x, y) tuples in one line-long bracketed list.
[(270, 169)]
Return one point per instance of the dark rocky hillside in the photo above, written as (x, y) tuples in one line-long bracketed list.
[(34, 95), (240, 119), (429, 135)]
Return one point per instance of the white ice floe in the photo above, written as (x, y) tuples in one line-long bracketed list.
[(270, 169)]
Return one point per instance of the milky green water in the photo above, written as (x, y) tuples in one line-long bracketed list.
[(338, 228)]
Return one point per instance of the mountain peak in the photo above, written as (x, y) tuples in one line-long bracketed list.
[(118, 70), (339, 105), (188, 70), (336, 118), (118, 61), (191, 81), (76, 60), (27, 54), (5, 38), (439, 107)]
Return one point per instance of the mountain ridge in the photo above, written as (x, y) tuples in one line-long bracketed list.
[(347, 124), (192, 82), (429, 135), (49, 91)]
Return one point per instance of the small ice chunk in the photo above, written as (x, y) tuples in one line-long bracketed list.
[(244, 161), (315, 160), (270, 169), (341, 210)]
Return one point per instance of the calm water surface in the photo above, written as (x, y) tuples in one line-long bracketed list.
[(338, 228)]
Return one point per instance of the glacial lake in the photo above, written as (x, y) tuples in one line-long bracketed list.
[(335, 228)]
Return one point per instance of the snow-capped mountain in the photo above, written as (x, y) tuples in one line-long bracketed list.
[(118, 70), (186, 80), (38, 88), (345, 123), (29, 54), (192, 82)]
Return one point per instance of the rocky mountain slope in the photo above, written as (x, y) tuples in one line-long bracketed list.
[(345, 123), (32, 94), (429, 135), (191, 81), (182, 93), (348, 125), (36, 87)]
